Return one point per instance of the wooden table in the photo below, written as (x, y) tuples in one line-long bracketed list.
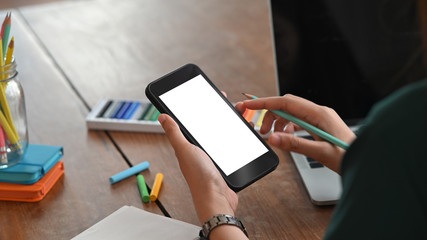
[(71, 54)]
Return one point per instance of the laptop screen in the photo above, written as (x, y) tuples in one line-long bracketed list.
[(346, 54)]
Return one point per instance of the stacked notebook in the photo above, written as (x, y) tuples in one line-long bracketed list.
[(32, 178)]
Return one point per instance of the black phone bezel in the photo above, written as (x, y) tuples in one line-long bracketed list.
[(244, 176)]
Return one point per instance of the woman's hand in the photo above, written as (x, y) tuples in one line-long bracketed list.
[(319, 116), (210, 193)]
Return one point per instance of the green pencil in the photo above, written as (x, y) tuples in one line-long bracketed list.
[(7, 25), (328, 137)]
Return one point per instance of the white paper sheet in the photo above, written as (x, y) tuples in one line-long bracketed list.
[(133, 223)]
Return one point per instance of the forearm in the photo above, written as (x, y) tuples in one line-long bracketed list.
[(208, 204), (227, 232), (211, 195)]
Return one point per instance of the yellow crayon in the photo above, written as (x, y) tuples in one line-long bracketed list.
[(156, 187)]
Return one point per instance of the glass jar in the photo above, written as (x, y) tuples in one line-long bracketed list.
[(13, 118)]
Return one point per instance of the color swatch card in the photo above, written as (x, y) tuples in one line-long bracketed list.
[(124, 115), (141, 116)]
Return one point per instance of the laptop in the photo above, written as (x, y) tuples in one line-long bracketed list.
[(346, 55)]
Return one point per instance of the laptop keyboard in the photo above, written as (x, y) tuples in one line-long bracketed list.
[(313, 163)]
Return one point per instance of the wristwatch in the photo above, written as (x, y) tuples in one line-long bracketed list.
[(218, 220)]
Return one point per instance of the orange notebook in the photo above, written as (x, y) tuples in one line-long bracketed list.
[(34, 192)]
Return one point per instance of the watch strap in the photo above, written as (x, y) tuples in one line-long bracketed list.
[(218, 220)]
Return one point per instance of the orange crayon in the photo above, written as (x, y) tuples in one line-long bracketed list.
[(156, 187)]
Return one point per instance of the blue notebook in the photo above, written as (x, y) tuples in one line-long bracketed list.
[(37, 161)]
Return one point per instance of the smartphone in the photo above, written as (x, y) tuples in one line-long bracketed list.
[(208, 120)]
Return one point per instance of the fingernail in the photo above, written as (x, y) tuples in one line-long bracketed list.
[(161, 118), (274, 139)]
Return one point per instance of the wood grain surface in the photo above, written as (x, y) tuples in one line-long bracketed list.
[(82, 51), (83, 196)]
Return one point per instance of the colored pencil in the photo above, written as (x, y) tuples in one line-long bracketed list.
[(8, 130), (1, 58), (3, 25), (326, 136), (3, 150), (8, 116), (6, 120), (6, 32), (10, 49), (2, 69)]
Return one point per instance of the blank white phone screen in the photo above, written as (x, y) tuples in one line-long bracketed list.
[(213, 124)]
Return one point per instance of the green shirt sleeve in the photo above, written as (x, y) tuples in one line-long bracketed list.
[(384, 173)]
